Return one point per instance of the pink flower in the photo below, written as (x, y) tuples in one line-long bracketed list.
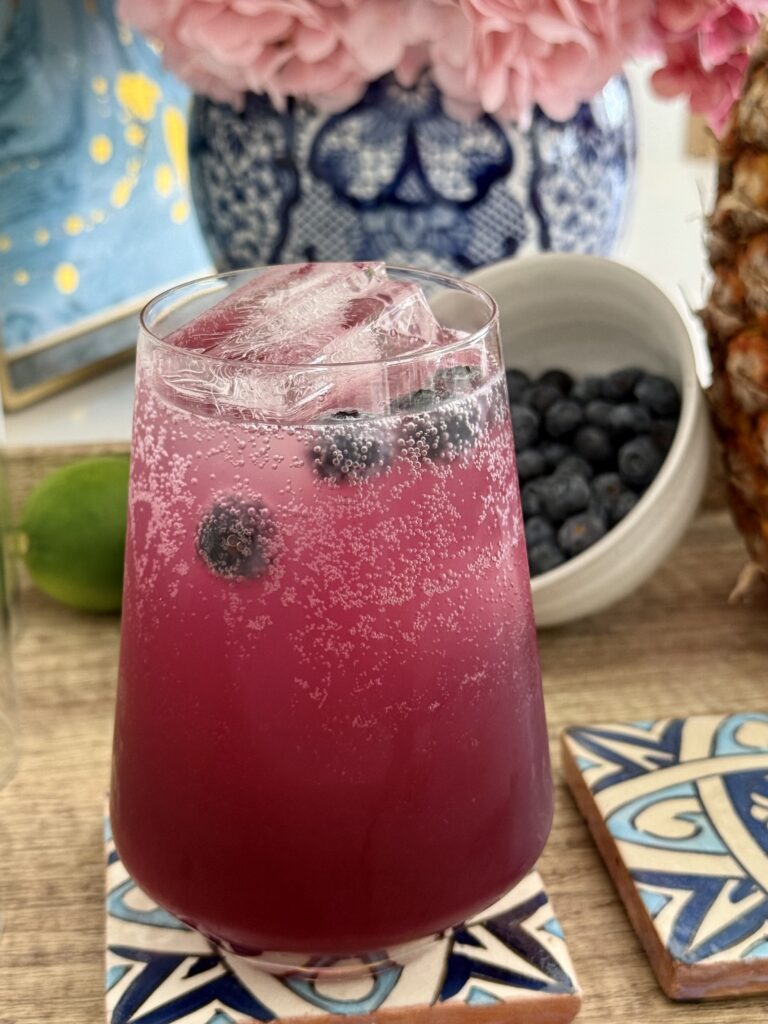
[(556, 53), (281, 47), (501, 56), (705, 43), (712, 92)]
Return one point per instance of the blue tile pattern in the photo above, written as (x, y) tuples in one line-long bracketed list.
[(161, 972), (686, 802), (395, 178)]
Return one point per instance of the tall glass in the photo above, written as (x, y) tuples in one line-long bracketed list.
[(330, 739)]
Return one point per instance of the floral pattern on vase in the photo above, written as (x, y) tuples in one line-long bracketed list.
[(395, 178)]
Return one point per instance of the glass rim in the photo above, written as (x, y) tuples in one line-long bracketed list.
[(437, 277)]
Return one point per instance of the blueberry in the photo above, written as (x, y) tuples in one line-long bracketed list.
[(575, 464), (235, 538), (663, 433), (537, 530), (557, 378), (639, 462), (563, 417), (564, 495), (441, 432), (456, 429), (348, 450), (620, 385), (594, 445), (530, 464), (532, 498), (625, 502), (587, 389), (606, 487), (629, 419), (554, 452), (415, 401), (455, 380), (517, 382), (543, 557), (598, 413), (345, 414), (606, 490), (525, 426), (659, 395), (579, 533), (541, 397)]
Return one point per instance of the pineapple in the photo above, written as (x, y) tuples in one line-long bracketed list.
[(736, 316)]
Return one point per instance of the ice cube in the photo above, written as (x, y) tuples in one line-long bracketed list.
[(299, 323), (265, 319)]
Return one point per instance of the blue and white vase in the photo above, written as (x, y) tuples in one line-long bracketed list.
[(394, 177)]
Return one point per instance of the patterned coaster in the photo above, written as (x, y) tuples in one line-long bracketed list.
[(679, 811), (509, 965)]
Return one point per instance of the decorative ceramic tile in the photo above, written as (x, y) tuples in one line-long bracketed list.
[(511, 964), (679, 810)]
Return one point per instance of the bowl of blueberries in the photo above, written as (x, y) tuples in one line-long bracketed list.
[(611, 433)]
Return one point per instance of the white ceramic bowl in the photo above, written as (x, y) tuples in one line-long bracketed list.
[(589, 315)]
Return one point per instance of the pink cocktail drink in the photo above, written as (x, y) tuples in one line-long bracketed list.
[(330, 736)]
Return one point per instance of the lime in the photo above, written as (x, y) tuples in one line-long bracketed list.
[(74, 527)]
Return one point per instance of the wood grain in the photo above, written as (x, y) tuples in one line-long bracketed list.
[(674, 647)]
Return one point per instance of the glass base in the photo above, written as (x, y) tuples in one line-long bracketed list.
[(329, 967)]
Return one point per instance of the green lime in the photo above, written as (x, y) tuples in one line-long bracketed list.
[(74, 527)]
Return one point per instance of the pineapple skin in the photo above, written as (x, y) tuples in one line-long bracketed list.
[(736, 315)]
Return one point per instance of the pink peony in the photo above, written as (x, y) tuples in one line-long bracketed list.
[(705, 44), (556, 53), (501, 56)]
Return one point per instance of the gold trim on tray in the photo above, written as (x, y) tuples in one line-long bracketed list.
[(21, 386)]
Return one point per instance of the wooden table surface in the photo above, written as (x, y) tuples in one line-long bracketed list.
[(675, 647)]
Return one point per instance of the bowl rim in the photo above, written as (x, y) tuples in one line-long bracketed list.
[(690, 399)]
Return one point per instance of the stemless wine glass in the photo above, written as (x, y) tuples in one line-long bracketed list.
[(330, 741)]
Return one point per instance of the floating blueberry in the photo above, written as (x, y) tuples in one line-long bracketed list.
[(525, 426), (575, 464), (586, 390), (619, 385), (537, 530), (563, 417), (554, 452), (629, 419), (639, 462), (564, 495), (593, 444), (415, 401), (543, 557), (456, 429), (456, 380), (348, 450), (541, 397), (517, 382), (579, 533), (557, 378), (235, 538), (658, 394), (530, 464)]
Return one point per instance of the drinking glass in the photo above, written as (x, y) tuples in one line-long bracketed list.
[(330, 743)]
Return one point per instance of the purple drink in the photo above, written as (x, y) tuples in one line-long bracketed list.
[(330, 737)]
